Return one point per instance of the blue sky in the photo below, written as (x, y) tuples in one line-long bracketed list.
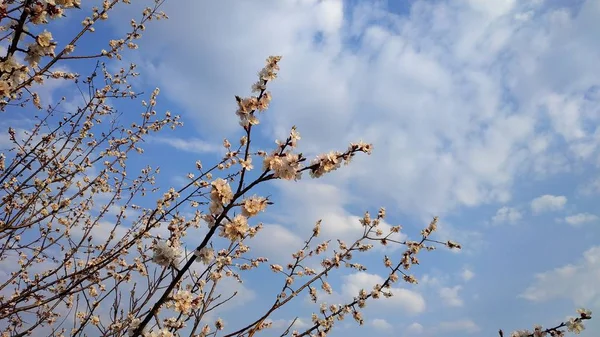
[(484, 113)]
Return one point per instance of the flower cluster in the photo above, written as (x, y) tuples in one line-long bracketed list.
[(183, 301), (325, 163), (43, 46), (254, 205), (165, 254), (285, 166), (206, 255), (247, 106), (164, 332), (574, 325), (220, 195), (235, 229), (25, 18)]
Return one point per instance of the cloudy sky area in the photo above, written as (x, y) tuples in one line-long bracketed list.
[(482, 112)]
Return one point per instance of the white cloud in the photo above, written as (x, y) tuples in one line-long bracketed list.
[(101, 231), (493, 9), (302, 323), (127, 212), (476, 76), (577, 282), (284, 323), (407, 300), (277, 242), (194, 145), (227, 286), (547, 202), (467, 274), (565, 114), (307, 201), (381, 324), (20, 134), (415, 328), (428, 280), (459, 100), (590, 187), (450, 296), (580, 218), (330, 16), (464, 326), (470, 239), (507, 215)]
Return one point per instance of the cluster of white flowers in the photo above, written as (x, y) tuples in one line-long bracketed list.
[(219, 324), (164, 332), (182, 301), (43, 46), (247, 106), (235, 229), (294, 137), (133, 325), (206, 255), (284, 166), (13, 73), (574, 325), (253, 206), (166, 199), (325, 163), (165, 254), (220, 195), (173, 323), (276, 268)]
